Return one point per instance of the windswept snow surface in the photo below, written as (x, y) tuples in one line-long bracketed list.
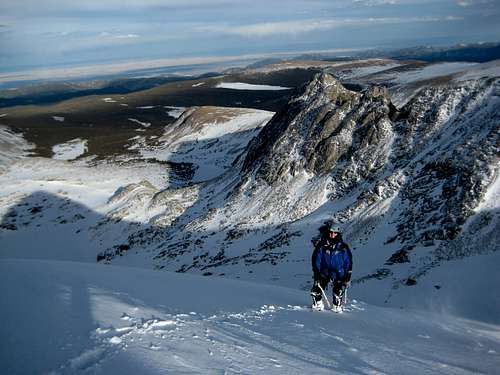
[(248, 86), (70, 150), (74, 318)]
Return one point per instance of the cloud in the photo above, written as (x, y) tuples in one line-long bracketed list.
[(104, 69), (304, 26), (109, 35), (470, 3), (127, 36), (372, 3), (63, 6)]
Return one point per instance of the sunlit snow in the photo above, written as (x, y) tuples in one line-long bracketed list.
[(70, 150), (248, 86)]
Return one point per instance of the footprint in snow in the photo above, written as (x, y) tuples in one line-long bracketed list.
[(154, 346), (125, 316)]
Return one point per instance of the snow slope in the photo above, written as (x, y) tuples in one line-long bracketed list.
[(209, 138), (12, 147), (95, 319), (63, 205)]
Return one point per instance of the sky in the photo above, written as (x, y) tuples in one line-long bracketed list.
[(57, 34)]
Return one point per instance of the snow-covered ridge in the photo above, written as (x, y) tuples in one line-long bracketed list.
[(208, 137)]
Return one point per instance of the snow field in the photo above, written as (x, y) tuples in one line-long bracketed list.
[(248, 86), (108, 319), (70, 150)]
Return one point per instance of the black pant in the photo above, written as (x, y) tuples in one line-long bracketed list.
[(337, 287)]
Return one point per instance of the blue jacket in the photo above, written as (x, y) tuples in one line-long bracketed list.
[(332, 262)]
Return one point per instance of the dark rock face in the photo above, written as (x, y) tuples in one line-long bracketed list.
[(449, 145), (325, 126)]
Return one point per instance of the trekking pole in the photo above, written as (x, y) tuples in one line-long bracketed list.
[(325, 297), (345, 296)]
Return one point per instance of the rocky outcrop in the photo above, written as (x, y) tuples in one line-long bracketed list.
[(323, 126), (326, 130)]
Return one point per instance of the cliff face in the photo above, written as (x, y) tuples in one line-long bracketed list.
[(437, 154), (319, 129)]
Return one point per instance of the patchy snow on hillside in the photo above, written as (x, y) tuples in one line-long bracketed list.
[(108, 319), (248, 86), (58, 118), (145, 124), (70, 150)]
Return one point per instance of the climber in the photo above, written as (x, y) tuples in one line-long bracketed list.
[(331, 261)]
